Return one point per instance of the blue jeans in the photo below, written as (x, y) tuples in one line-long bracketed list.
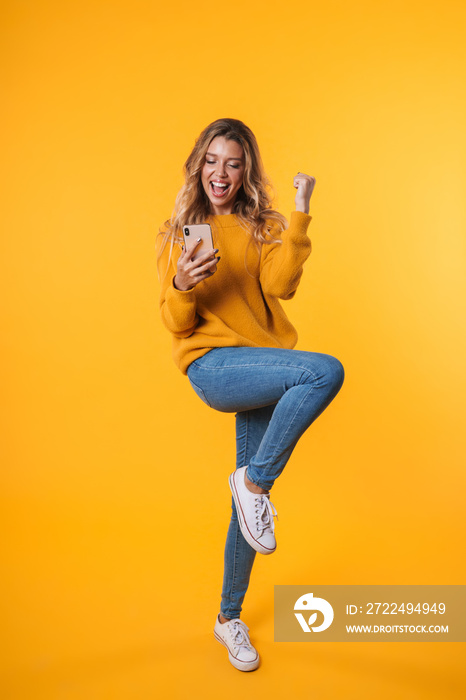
[(276, 395)]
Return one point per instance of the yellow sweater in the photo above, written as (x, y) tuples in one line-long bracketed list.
[(237, 306)]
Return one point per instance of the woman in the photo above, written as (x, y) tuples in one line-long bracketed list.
[(234, 341)]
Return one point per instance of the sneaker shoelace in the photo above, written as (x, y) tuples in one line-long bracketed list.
[(240, 637), (265, 513)]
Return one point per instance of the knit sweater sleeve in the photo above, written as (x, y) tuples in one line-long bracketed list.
[(177, 308), (282, 263)]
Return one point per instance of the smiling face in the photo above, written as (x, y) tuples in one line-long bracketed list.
[(222, 174)]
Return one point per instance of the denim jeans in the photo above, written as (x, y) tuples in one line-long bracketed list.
[(276, 395)]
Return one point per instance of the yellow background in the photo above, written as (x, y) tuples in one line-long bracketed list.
[(114, 494)]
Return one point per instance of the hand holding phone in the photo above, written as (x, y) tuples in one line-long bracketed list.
[(191, 235), (197, 261)]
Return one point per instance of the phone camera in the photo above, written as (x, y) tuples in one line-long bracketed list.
[(186, 231)]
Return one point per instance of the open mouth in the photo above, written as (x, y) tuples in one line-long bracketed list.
[(219, 189)]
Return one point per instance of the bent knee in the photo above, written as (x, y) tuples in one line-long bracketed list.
[(335, 373)]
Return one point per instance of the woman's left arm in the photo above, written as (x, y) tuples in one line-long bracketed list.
[(282, 263)]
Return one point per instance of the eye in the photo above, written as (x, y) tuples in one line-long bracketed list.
[(210, 162), (234, 166)]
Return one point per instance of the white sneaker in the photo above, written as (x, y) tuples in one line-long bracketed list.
[(255, 514), (234, 636)]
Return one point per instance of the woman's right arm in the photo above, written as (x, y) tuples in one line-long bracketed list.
[(179, 276)]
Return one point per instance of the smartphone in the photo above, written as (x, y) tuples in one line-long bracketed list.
[(192, 232)]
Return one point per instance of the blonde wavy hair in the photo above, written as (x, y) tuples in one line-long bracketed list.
[(253, 204)]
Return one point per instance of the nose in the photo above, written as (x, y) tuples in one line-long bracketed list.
[(220, 169)]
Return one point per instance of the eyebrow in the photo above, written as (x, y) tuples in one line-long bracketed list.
[(214, 155)]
